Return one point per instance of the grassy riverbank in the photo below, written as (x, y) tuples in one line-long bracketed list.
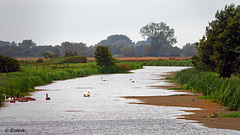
[(225, 91), (31, 75)]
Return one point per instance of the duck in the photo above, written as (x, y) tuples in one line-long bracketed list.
[(103, 79), (5, 98), (131, 80), (13, 100), (27, 98), (22, 99), (47, 98), (86, 94), (30, 98)]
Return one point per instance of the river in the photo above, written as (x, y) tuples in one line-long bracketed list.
[(105, 111)]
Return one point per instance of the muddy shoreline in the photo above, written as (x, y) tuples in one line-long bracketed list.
[(206, 115)]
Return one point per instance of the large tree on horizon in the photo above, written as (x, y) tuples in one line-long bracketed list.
[(28, 43), (161, 37), (116, 43)]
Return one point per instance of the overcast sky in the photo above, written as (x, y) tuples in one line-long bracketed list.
[(51, 22)]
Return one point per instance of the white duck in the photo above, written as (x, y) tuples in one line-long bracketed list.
[(132, 81), (103, 79)]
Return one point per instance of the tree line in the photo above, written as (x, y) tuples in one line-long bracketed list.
[(159, 42)]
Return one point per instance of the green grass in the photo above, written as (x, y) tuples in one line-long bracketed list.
[(225, 91), (183, 87), (234, 114), (169, 63), (170, 78)]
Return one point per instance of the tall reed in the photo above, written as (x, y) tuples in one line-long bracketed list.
[(225, 91)]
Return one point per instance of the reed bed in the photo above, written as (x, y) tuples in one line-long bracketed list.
[(225, 91)]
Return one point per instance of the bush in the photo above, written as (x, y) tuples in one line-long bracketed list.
[(11, 63), (75, 59), (103, 56), (70, 53), (39, 60), (107, 69), (124, 67)]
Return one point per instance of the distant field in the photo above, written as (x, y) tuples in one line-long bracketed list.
[(145, 58), (20, 58), (127, 58)]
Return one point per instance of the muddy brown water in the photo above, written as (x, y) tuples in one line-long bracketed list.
[(105, 111)]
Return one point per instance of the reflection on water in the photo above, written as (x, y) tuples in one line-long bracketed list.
[(104, 112)]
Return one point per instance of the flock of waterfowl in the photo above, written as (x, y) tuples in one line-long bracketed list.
[(26, 99), (21, 99), (88, 93)]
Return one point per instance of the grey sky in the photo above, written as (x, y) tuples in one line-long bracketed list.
[(50, 22)]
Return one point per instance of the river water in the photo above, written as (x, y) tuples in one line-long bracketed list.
[(105, 111)]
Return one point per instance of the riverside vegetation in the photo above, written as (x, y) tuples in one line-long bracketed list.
[(216, 69), (225, 91), (34, 74)]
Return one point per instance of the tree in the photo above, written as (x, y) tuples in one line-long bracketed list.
[(79, 48), (129, 51), (27, 44), (189, 49), (114, 38), (116, 43), (146, 50), (103, 56), (90, 51), (219, 50), (160, 35), (48, 55), (140, 46), (8, 64), (2, 43), (70, 53), (174, 51)]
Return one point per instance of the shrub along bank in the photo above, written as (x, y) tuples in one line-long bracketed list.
[(225, 91), (8, 64), (74, 59)]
